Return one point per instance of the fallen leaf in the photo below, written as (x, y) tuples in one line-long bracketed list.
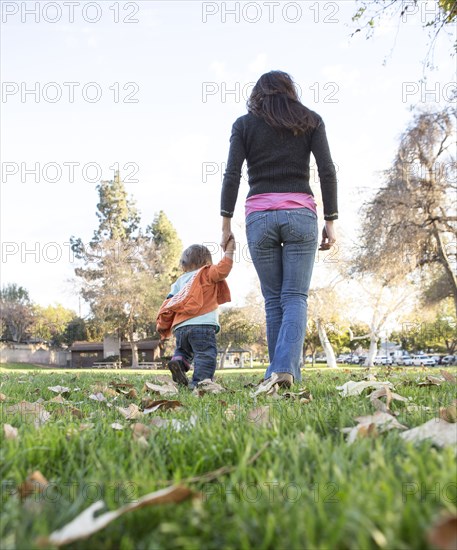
[(437, 430), (232, 412), (59, 389), (2, 397), (208, 386), (389, 395), (97, 397), (177, 425), (356, 388), (88, 523), (140, 430), (443, 534), (449, 413), (117, 426), (132, 394), (131, 412), (104, 389), (303, 395), (371, 425), (30, 412), (34, 483), (265, 386), (121, 385), (10, 432), (58, 399), (431, 381), (260, 416), (167, 389), (448, 376), (161, 404)]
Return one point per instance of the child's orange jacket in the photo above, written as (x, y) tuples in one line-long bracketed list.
[(203, 293)]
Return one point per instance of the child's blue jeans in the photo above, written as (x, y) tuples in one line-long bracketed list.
[(197, 343)]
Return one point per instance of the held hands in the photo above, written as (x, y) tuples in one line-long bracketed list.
[(230, 246), (328, 236)]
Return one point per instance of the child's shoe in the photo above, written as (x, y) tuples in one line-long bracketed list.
[(178, 372)]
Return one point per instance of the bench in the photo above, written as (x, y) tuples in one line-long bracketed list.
[(150, 365), (103, 365)]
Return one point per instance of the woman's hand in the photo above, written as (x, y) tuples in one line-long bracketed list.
[(328, 236), (226, 232)]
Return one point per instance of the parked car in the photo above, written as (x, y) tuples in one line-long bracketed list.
[(449, 360), (382, 360), (405, 360), (423, 360)]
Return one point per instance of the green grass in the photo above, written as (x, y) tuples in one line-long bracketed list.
[(309, 489)]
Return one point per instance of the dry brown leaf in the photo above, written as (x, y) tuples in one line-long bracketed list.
[(121, 385), (166, 389), (131, 412), (30, 412), (59, 389), (440, 432), (87, 523), (371, 425), (431, 381), (265, 386), (35, 483), (208, 386), (303, 395), (97, 397), (161, 404), (140, 430), (232, 412), (260, 416), (117, 426), (104, 389), (389, 395), (132, 394), (10, 432), (443, 534), (449, 413), (58, 399), (2, 397), (356, 388), (448, 376)]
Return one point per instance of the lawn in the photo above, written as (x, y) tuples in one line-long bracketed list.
[(292, 481)]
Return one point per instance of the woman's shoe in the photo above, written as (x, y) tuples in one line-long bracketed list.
[(283, 379)]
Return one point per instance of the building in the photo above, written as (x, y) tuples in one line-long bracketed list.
[(85, 354)]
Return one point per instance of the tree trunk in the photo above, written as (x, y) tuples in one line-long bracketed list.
[(446, 263), (372, 351), (328, 349), (224, 353), (134, 348)]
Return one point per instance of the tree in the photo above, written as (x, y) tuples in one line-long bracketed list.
[(385, 302), (51, 322), (326, 311), (371, 12), (409, 227), (16, 312), (125, 271), (236, 328)]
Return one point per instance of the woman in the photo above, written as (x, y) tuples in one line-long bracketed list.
[(276, 138)]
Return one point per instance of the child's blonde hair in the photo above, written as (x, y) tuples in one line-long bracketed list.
[(194, 257)]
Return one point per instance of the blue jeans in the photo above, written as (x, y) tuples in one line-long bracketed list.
[(197, 343), (282, 245)]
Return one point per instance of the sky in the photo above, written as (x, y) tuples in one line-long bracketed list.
[(153, 88)]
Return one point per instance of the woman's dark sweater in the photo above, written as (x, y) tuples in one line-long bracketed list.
[(278, 162)]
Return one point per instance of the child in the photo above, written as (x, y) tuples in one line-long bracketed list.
[(190, 312)]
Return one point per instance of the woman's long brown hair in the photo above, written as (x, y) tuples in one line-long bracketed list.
[(275, 99)]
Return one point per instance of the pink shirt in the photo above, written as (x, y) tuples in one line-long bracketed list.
[(279, 201)]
